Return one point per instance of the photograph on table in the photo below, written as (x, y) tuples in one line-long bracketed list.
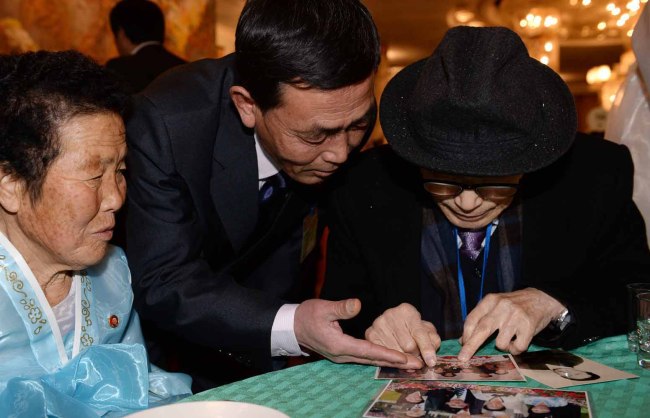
[(416, 398), (500, 368), (559, 369)]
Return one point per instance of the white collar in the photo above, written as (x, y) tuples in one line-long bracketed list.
[(265, 165), (142, 45)]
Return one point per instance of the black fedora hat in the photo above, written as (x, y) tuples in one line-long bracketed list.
[(479, 106)]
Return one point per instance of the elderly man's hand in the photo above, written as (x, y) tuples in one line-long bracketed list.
[(521, 314), (402, 328), (316, 327)]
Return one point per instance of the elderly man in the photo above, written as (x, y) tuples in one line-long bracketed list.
[(226, 157), (494, 216)]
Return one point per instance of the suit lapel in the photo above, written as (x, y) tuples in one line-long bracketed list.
[(234, 182), (262, 243)]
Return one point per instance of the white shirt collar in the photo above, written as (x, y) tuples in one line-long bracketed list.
[(265, 166), (142, 45)]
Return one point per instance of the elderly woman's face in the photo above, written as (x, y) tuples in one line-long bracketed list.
[(72, 222)]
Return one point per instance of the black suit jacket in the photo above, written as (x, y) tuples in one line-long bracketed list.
[(140, 69), (202, 278), (583, 237)]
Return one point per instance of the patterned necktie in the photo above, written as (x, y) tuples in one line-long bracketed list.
[(271, 187), (471, 242)]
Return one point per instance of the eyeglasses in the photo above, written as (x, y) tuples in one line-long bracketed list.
[(445, 189)]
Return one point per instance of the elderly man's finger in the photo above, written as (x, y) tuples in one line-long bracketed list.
[(426, 344), (406, 338), (471, 344), (484, 307), (505, 336), (433, 334), (521, 342), (378, 335)]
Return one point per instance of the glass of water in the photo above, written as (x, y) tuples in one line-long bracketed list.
[(643, 329), (633, 289)]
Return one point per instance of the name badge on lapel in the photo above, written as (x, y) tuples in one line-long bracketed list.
[(309, 233)]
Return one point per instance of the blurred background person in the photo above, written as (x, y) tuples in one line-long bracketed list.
[(628, 122), (139, 30), (71, 343)]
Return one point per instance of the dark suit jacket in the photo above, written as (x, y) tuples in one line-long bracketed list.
[(202, 277), (140, 69), (583, 237)]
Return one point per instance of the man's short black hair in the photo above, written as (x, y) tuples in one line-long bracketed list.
[(141, 20), (39, 92), (326, 44)]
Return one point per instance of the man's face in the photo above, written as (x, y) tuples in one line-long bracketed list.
[(468, 209), (311, 132), (494, 404), (540, 408), (457, 403)]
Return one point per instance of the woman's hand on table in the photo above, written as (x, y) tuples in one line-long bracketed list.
[(317, 328), (518, 316), (402, 328)]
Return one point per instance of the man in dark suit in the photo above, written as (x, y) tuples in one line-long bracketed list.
[(226, 159), (488, 214), (139, 30)]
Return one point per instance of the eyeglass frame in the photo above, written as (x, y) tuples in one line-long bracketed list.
[(474, 187)]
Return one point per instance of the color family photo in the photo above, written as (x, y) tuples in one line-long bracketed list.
[(479, 368), (407, 398)]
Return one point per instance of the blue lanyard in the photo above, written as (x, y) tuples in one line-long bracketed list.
[(461, 280)]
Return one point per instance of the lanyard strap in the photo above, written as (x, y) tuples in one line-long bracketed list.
[(461, 280)]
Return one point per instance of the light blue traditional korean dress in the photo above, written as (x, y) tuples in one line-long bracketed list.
[(99, 368)]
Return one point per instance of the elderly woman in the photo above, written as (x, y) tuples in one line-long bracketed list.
[(70, 343)]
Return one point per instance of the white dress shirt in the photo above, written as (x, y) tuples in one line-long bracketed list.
[(283, 338)]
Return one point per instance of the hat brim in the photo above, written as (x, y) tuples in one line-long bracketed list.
[(550, 143)]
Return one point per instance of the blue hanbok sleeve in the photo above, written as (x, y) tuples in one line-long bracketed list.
[(164, 387), (101, 379)]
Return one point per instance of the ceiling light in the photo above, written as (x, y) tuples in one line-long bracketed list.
[(463, 15), (599, 74)]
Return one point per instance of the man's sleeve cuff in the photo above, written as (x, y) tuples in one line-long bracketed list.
[(283, 338)]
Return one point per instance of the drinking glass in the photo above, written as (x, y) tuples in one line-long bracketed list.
[(643, 329), (633, 289)]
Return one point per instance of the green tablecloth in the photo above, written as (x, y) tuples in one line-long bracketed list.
[(329, 390)]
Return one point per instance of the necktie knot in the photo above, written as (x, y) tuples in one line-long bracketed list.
[(471, 241)]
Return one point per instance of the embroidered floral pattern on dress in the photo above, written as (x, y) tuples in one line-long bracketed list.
[(35, 314), (85, 339)]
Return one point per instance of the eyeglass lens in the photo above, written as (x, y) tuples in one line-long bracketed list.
[(485, 191)]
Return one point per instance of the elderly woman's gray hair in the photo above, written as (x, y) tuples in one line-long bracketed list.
[(40, 91)]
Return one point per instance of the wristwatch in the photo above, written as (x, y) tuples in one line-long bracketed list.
[(560, 323)]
